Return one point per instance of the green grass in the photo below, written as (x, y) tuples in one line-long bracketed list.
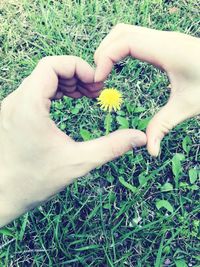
[(115, 215)]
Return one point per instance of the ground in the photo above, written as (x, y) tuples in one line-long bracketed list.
[(137, 210)]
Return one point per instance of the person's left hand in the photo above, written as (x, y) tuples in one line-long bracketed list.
[(37, 159)]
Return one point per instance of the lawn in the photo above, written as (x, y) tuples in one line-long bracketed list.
[(134, 211)]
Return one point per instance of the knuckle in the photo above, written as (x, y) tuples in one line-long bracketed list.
[(8, 102), (44, 60), (120, 26), (116, 151)]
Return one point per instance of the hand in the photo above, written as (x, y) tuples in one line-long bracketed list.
[(37, 160), (176, 53)]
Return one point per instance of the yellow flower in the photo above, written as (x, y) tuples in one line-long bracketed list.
[(109, 99)]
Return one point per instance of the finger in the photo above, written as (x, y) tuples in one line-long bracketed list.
[(174, 112), (75, 94), (68, 82), (85, 156), (142, 43), (93, 87), (87, 93), (107, 148), (46, 74), (89, 90), (114, 34), (110, 56), (67, 89)]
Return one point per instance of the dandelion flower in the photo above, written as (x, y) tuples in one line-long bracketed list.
[(109, 99)]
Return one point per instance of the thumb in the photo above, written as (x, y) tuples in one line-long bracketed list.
[(168, 117), (104, 149)]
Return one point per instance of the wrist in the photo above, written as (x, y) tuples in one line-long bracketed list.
[(10, 207)]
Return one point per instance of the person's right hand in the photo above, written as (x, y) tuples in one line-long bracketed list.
[(176, 53)]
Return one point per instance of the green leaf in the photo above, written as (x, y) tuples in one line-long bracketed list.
[(110, 179), (180, 156), (121, 113), (184, 185), (23, 226), (139, 109), (138, 158), (87, 248), (142, 124), (142, 179), (166, 187), (159, 253), (177, 166), (123, 122), (112, 197), (136, 220), (132, 188), (130, 107), (167, 249), (62, 126), (85, 134), (59, 105), (76, 109), (181, 263), (164, 204), (193, 175), (194, 187), (107, 206), (186, 144), (6, 231), (135, 122)]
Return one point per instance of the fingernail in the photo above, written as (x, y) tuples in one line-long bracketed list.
[(139, 140), (157, 147)]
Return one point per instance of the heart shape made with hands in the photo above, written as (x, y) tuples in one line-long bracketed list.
[(39, 160)]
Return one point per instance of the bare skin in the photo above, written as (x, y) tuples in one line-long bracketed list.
[(176, 53), (37, 160)]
